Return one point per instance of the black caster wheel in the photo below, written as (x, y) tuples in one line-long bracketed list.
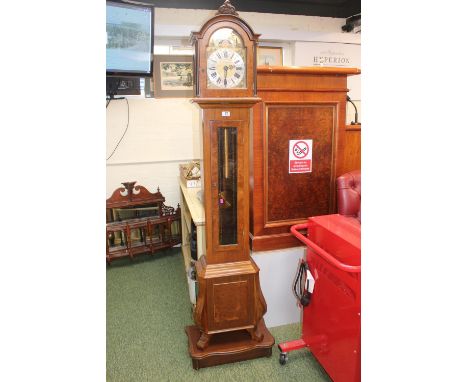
[(283, 358)]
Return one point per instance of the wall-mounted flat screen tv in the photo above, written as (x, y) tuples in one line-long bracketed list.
[(129, 46)]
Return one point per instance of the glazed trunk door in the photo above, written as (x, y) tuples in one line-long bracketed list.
[(227, 190)]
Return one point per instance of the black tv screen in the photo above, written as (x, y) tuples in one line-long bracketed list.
[(129, 47)]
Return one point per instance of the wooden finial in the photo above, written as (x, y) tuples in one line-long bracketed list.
[(129, 187), (227, 9)]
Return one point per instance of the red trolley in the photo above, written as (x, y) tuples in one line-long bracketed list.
[(331, 322)]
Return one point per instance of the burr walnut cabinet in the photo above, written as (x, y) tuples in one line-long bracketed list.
[(297, 103)]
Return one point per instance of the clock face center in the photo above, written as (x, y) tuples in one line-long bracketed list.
[(226, 68)]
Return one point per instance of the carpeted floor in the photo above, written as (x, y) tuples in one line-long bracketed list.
[(147, 309)]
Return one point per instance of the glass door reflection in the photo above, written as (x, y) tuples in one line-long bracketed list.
[(227, 185)]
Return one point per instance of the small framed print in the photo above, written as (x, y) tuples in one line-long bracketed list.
[(173, 76), (269, 56)]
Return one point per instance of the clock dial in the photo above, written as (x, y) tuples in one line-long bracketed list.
[(225, 69)]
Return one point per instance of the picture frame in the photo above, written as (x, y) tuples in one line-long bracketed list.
[(269, 56), (173, 76), (149, 90)]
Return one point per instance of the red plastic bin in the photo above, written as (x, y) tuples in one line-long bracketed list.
[(331, 323)]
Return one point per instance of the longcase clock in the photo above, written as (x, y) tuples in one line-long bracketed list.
[(230, 304)]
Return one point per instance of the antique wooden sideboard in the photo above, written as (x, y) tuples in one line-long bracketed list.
[(138, 221), (298, 103)]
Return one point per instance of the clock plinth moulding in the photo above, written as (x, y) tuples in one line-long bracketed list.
[(230, 304)]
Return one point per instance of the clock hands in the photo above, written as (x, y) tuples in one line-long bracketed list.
[(233, 68), (226, 68), (225, 74)]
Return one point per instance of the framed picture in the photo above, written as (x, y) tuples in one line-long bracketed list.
[(173, 76), (269, 56)]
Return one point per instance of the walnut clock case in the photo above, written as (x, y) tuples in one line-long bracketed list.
[(230, 304)]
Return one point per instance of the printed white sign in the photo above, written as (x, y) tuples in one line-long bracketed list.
[(331, 54), (300, 156), (328, 54)]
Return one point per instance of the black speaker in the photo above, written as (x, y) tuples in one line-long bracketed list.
[(193, 243), (122, 86)]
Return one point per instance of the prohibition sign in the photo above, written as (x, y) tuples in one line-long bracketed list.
[(300, 149)]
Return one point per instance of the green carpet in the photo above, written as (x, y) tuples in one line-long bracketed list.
[(147, 309)]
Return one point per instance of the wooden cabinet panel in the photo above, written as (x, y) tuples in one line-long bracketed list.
[(352, 150), (297, 103), (311, 192), (230, 300)]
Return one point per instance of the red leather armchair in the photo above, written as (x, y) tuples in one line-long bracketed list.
[(348, 188)]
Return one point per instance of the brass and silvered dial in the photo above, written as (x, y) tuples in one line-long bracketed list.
[(226, 68), (226, 60)]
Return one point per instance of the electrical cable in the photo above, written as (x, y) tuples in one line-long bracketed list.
[(355, 122), (125, 132), (112, 90), (302, 293)]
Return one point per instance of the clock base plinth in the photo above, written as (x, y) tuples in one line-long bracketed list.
[(229, 347)]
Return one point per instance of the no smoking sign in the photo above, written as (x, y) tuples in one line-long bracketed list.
[(300, 156)]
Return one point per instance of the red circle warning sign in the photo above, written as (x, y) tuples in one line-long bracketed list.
[(300, 156), (300, 149)]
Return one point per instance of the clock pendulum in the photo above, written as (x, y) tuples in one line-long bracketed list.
[(229, 311)]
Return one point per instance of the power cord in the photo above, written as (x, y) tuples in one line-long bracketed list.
[(112, 87), (125, 132), (301, 284)]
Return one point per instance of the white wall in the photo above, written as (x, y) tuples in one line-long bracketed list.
[(171, 22), (307, 53), (277, 271), (162, 133)]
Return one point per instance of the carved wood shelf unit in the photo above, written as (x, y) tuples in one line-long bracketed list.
[(138, 221)]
